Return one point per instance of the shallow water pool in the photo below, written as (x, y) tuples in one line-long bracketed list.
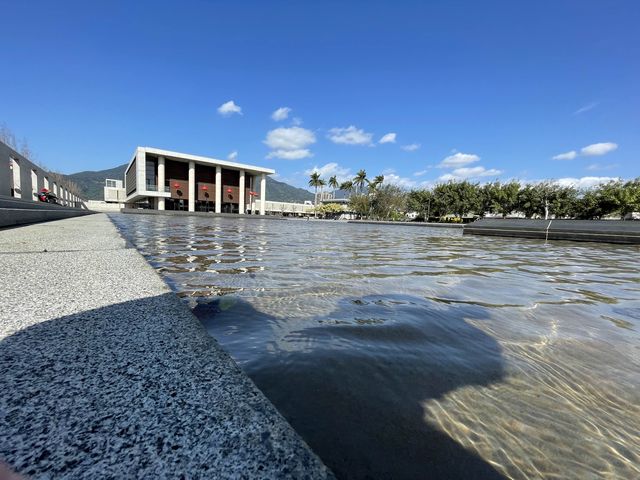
[(407, 352)]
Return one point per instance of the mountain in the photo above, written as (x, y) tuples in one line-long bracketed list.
[(283, 192), (91, 183)]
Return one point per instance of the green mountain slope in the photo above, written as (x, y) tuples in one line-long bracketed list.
[(91, 183)]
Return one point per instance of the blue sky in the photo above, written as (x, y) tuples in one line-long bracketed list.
[(478, 90)]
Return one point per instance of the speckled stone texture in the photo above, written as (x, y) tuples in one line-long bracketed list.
[(105, 373)]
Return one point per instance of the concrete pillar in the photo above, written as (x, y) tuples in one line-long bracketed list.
[(263, 193), (161, 182), (253, 188), (242, 202), (192, 186), (218, 189)]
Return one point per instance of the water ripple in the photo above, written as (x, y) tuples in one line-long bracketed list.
[(402, 352)]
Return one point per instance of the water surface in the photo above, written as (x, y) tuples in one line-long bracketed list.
[(406, 352)]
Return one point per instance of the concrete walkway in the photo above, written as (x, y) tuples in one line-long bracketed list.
[(107, 374)]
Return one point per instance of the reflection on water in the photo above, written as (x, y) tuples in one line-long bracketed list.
[(403, 352)]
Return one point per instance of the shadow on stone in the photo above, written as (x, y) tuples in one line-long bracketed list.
[(137, 390)]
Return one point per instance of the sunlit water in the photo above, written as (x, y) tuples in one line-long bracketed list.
[(406, 352)]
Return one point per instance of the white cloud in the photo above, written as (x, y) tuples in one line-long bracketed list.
[(229, 108), (584, 182), (290, 154), (350, 136), (388, 138), (420, 173), (586, 108), (290, 143), (296, 121), (233, 156), (599, 166), (331, 169), (593, 150), (281, 114), (394, 179), (458, 160), (566, 156), (598, 149), (470, 172), (412, 147)]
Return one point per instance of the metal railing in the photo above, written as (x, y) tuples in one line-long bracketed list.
[(154, 188)]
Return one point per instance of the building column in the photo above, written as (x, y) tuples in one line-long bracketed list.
[(218, 189), (242, 202), (263, 193), (253, 188), (192, 186), (161, 182)]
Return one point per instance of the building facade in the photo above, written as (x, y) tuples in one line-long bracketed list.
[(114, 191), (165, 180)]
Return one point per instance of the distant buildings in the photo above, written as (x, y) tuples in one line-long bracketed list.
[(165, 180), (114, 191)]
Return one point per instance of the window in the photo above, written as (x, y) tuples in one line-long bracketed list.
[(112, 183), (150, 172), (16, 190)]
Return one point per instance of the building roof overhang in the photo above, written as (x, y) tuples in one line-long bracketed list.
[(187, 157)]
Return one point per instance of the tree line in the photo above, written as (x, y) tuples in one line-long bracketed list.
[(533, 200), (457, 199)]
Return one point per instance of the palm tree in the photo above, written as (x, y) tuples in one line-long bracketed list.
[(315, 181), (322, 185), (347, 186), (375, 183), (359, 180), (333, 183)]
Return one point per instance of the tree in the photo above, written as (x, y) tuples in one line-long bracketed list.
[(315, 181), (333, 183), (505, 199), (376, 182), (347, 186), (322, 184), (330, 209), (359, 180), (530, 201), (421, 201), (458, 198), (563, 201), (7, 137), (360, 204), (389, 202)]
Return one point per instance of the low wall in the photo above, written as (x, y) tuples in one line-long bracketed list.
[(148, 211), (409, 224), (101, 206), (15, 211), (22, 179), (610, 231)]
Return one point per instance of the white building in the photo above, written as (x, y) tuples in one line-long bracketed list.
[(165, 180), (114, 191)]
